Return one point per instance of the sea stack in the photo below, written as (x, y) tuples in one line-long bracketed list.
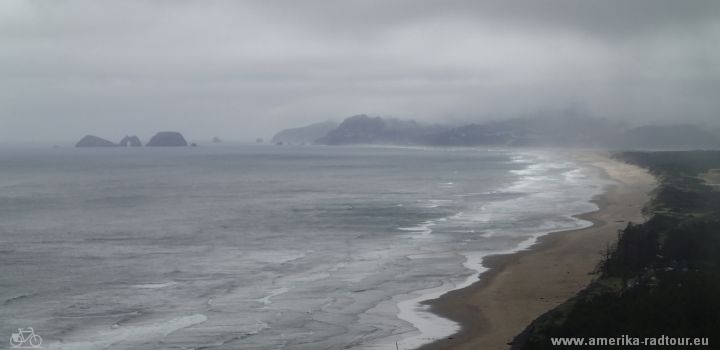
[(94, 141), (131, 141), (167, 139)]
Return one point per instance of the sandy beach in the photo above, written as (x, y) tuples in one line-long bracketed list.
[(520, 287)]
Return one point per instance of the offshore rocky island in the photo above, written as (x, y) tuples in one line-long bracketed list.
[(161, 139)]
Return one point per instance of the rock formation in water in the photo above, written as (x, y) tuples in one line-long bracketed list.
[(131, 141), (216, 140), (94, 141), (167, 139)]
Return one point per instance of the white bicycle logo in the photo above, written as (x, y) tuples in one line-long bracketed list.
[(22, 336)]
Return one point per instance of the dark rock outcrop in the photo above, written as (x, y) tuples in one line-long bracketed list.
[(132, 141), (167, 139), (94, 141)]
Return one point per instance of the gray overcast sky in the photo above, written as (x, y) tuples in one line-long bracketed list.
[(241, 69)]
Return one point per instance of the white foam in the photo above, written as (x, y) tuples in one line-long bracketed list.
[(574, 175), (312, 277), (423, 230), (430, 327), (267, 300), (434, 203), (132, 334), (520, 159), (155, 285), (275, 256)]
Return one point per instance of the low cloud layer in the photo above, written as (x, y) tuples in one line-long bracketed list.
[(241, 69)]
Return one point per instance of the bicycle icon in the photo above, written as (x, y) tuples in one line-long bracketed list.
[(22, 336)]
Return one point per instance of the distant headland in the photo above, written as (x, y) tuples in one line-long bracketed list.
[(555, 131)]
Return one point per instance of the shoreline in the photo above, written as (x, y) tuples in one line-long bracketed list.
[(519, 287)]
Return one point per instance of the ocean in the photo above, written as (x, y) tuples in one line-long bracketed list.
[(264, 247)]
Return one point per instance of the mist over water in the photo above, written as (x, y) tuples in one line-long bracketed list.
[(263, 247)]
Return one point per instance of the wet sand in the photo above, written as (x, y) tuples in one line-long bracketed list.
[(522, 286)]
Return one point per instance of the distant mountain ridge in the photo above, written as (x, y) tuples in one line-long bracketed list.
[(560, 131), (362, 129)]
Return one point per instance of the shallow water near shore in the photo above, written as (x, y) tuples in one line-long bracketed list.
[(264, 247)]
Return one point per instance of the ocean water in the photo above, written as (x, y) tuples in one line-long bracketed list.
[(253, 247)]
